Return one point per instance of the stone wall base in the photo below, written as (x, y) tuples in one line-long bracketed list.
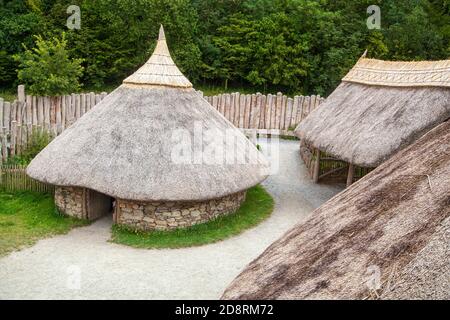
[(139, 215), (174, 215), (71, 201)]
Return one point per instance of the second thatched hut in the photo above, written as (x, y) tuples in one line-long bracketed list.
[(379, 108)]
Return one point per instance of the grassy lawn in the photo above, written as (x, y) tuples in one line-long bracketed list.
[(27, 217), (257, 207)]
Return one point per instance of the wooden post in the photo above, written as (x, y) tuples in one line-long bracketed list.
[(262, 113), (58, 115), (248, 108), (351, 172), (63, 113), (19, 128), (12, 141), (83, 104), (288, 119), (237, 111), (34, 111), (316, 166), (283, 113), (278, 107), (29, 109), (6, 115), (1, 113), (227, 105), (241, 111), (293, 120), (21, 93), (92, 98), (40, 111), (77, 106), (4, 145), (254, 111), (232, 109), (269, 107)]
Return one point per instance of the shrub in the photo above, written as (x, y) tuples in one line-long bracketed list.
[(47, 68), (37, 141)]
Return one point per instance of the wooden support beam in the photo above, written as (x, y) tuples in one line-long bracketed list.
[(316, 166), (351, 173)]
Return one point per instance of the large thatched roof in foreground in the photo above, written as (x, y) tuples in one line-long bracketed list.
[(124, 146), (397, 218), (379, 108)]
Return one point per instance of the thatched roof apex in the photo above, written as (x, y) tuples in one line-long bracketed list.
[(379, 108), (159, 70), (400, 73), (393, 223)]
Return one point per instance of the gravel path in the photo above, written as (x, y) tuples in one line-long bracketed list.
[(84, 265)]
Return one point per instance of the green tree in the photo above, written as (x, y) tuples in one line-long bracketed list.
[(47, 68)]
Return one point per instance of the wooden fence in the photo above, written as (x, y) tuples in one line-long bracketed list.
[(257, 111), (13, 178), (54, 114)]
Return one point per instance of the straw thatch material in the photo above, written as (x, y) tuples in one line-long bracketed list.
[(123, 147), (159, 69), (366, 124), (397, 218)]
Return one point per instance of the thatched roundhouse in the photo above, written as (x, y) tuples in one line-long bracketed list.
[(386, 236), (142, 148), (379, 108)]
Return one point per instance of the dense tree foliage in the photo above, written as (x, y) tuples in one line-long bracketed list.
[(302, 46), (47, 68)]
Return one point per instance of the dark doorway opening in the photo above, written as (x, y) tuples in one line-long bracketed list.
[(98, 204)]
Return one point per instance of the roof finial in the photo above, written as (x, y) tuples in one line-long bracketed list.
[(362, 57), (162, 36)]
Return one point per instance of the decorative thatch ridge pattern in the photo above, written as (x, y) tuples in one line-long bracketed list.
[(159, 69), (400, 74), (395, 220)]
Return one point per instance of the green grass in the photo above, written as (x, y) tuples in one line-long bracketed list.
[(26, 217), (257, 207)]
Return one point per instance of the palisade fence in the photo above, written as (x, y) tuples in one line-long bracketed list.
[(14, 178), (19, 119), (53, 114), (258, 111)]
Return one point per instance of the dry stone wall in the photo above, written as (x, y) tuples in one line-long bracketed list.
[(173, 215), (71, 201)]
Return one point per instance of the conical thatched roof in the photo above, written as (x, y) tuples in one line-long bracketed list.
[(379, 108), (394, 222), (124, 146)]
